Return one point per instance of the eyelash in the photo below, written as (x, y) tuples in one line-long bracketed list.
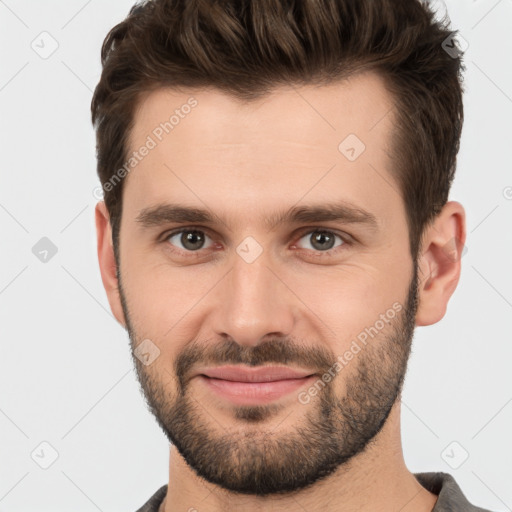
[(345, 238)]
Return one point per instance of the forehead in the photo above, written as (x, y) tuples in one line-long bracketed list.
[(205, 145), (355, 105)]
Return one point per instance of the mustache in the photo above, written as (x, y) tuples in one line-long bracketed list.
[(279, 351)]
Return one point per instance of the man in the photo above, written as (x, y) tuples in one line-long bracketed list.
[(275, 224)]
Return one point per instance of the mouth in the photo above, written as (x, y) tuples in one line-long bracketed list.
[(253, 386)]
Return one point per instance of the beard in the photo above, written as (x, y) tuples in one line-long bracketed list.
[(255, 459)]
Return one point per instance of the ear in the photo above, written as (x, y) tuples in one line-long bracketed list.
[(107, 261), (439, 263)]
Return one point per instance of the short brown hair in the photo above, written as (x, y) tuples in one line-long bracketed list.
[(248, 47)]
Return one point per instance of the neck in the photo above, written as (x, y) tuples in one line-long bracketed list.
[(376, 479)]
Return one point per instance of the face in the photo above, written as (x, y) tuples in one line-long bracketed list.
[(298, 260)]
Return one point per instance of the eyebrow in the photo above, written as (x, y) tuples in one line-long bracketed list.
[(341, 211)]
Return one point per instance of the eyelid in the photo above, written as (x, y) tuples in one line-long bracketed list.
[(175, 231), (342, 234)]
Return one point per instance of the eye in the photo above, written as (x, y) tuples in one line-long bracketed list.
[(191, 239), (321, 240)]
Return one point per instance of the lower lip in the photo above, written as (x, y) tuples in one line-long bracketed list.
[(253, 393)]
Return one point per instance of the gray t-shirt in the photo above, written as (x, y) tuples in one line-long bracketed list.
[(450, 497)]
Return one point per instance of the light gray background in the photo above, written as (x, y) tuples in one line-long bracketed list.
[(66, 376)]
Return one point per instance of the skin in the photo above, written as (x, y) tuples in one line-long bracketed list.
[(244, 162)]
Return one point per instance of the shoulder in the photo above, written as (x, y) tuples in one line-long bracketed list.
[(155, 501), (450, 496)]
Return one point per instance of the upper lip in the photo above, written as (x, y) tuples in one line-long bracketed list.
[(253, 374)]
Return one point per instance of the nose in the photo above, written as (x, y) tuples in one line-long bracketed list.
[(253, 303)]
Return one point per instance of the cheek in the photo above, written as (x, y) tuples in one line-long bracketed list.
[(350, 295), (350, 308)]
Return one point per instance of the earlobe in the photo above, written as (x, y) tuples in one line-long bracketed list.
[(107, 262), (440, 263)]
